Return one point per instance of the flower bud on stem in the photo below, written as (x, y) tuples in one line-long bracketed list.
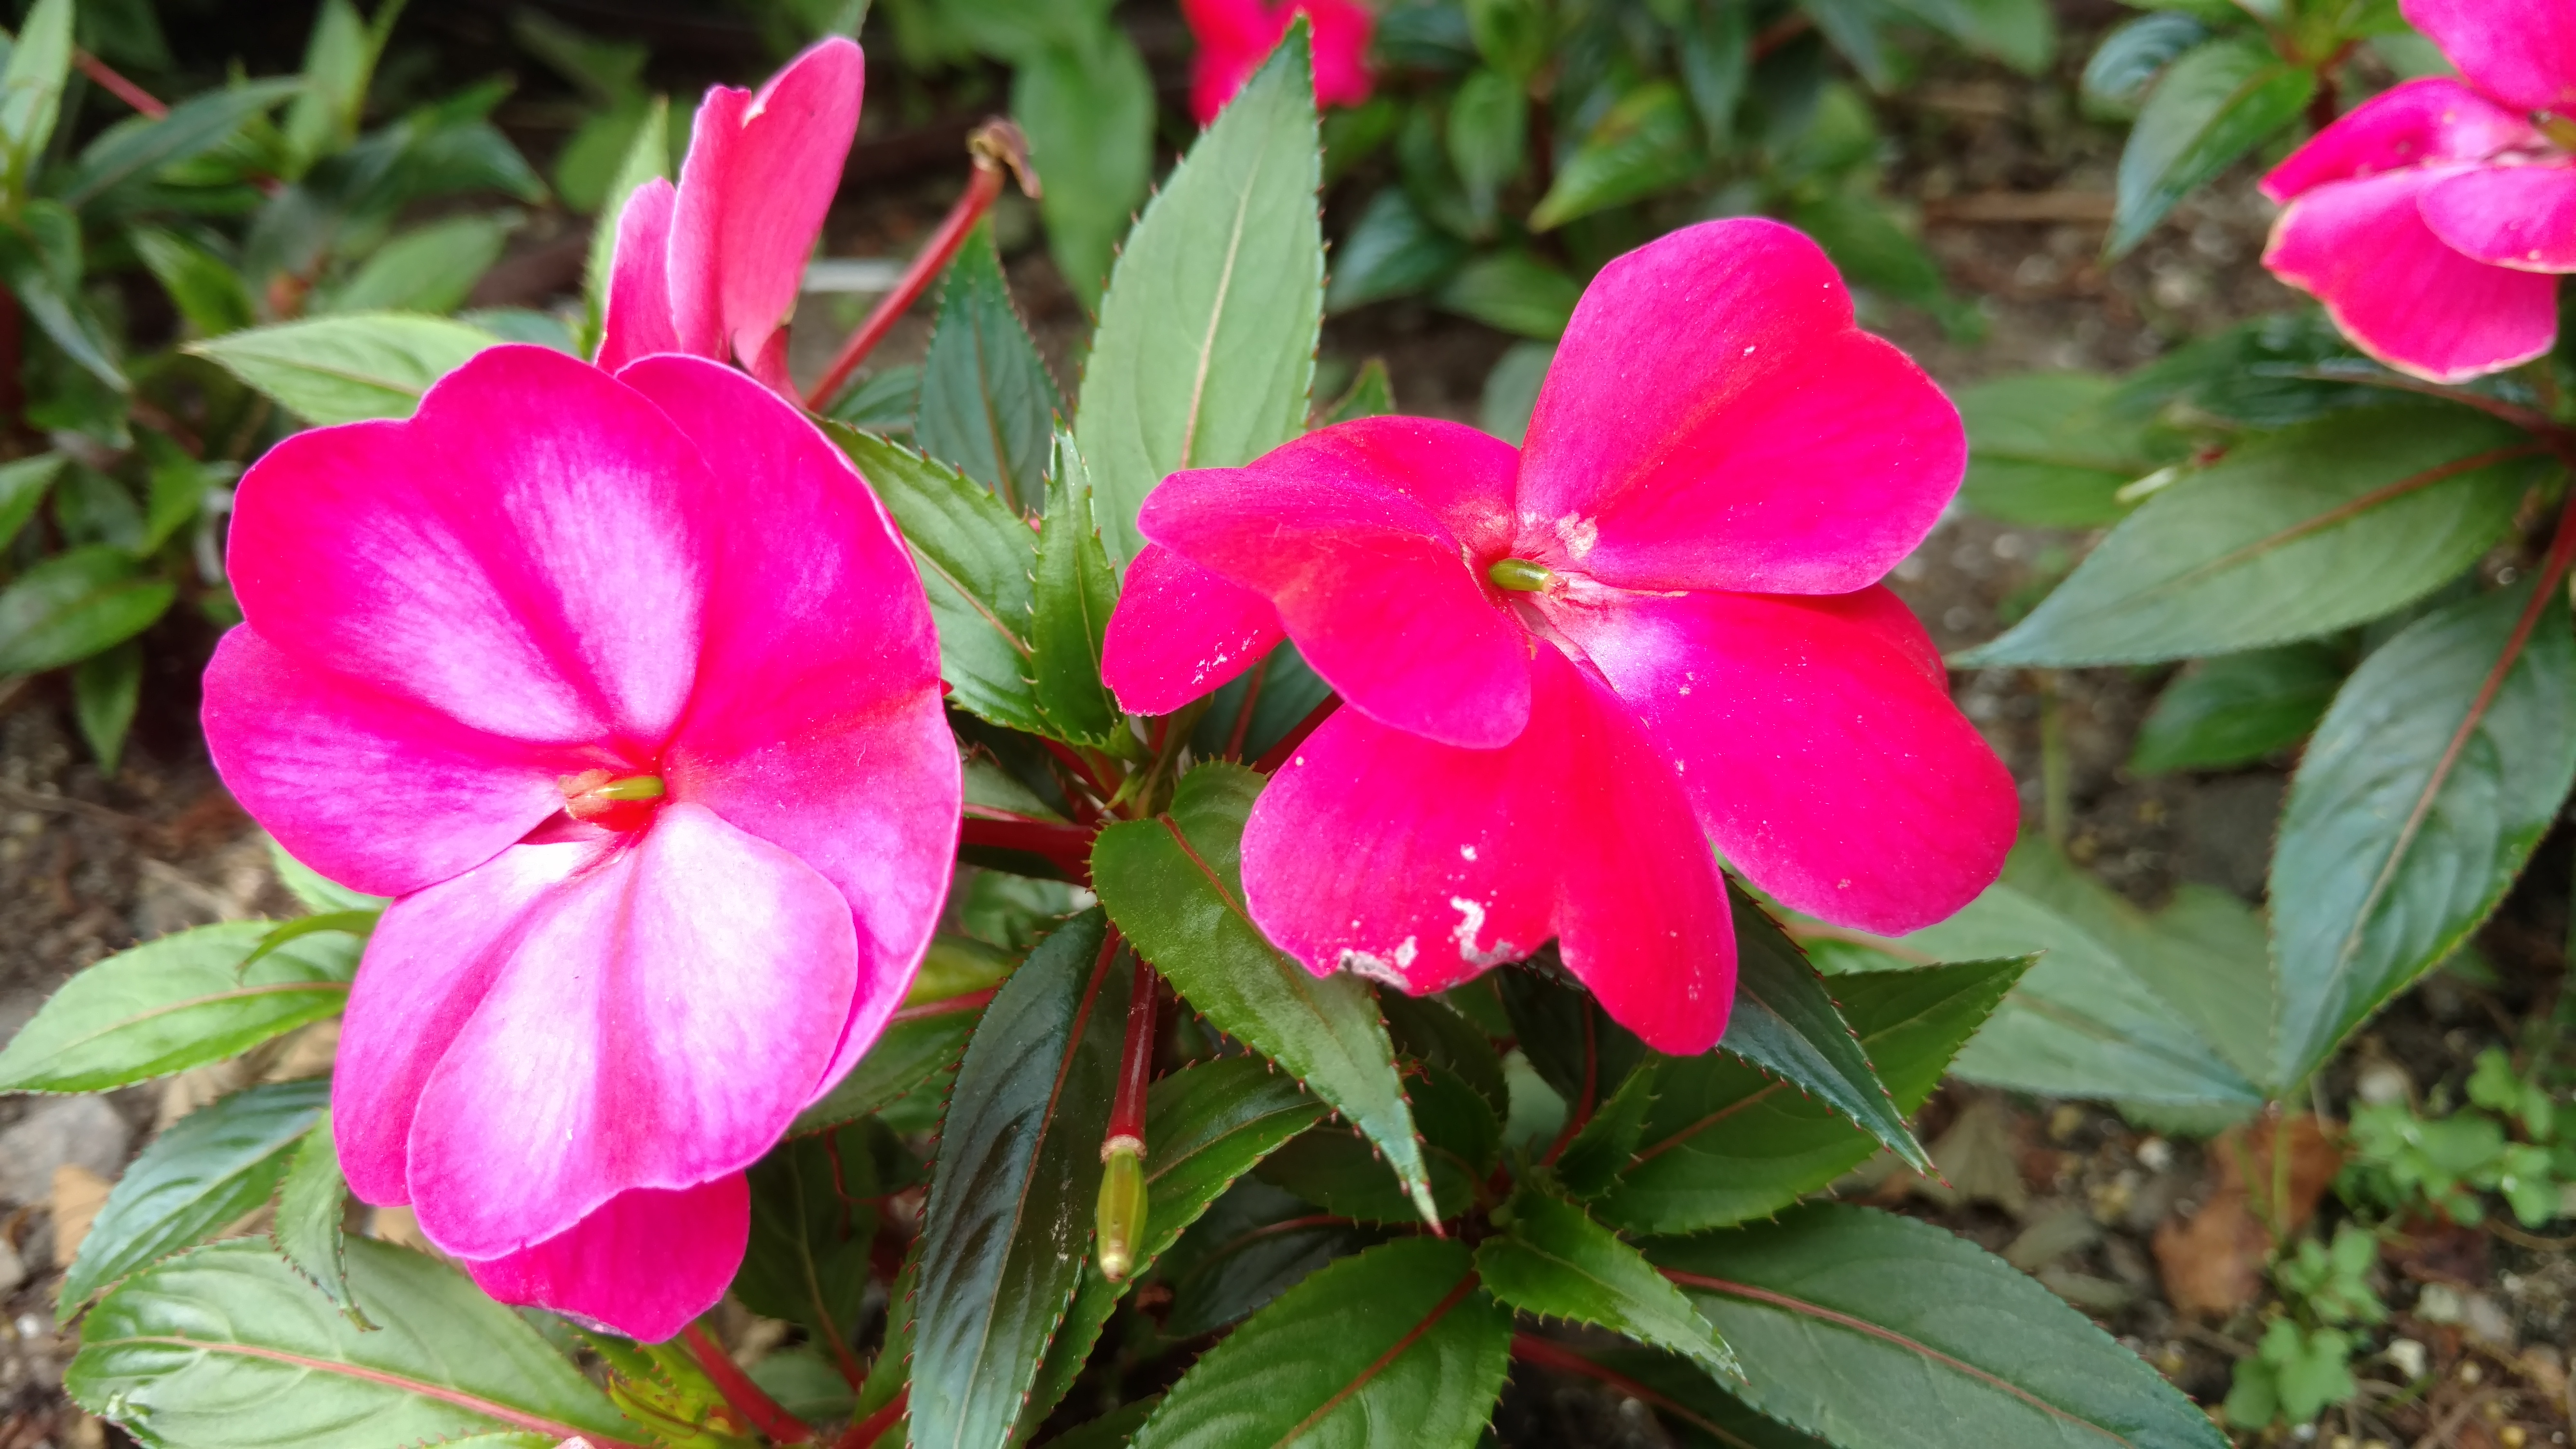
[(1121, 1218)]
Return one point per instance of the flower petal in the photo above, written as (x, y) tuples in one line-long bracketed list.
[(654, 1021), (645, 1263), (377, 793), (2400, 294), (1369, 537), (2523, 217), (817, 724), (519, 556), (2522, 52), (1180, 631), (1817, 741), (636, 321), (2431, 121), (1342, 32), (695, 276), (1233, 38), (1713, 420)]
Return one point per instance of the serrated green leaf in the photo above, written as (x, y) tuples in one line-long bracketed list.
[(1174, 885), (1553, 1260), (142, 144), (2291, 535), (2437, 770), (1570, 1041), (2213, 105), (1431, 1032), (2042, 450), (312, 1204), (891, 1371), (975, 558), (1338, 1170), (175, 1353), (212, 1167), (911, 1051), (1071, 598), (1398, 1339), (1599, 1150), (1254, 1244), (1370, 395), (318, 893), (1785, 1023), (1834, 1296), (1724, 1143), (74, 605), (987, 403), (1010, 1206), (1206, 343), (347, 368), (811, 1224), (2237, 708), (1700, 1414), (175, 1003)]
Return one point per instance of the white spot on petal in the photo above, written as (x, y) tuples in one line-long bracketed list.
[(1467, 851)]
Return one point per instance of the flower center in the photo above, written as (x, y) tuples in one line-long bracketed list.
[(2557, 128), (1520, 575), (619, 802)]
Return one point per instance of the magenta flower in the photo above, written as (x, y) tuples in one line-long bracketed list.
[(711, 267), (625, 689), (1572, 668), (1236, 36), (2433, 220)]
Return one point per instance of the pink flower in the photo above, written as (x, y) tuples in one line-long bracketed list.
[(2433, 219), (1236, 36), (711, 267), (625, 689), (1571, 668)]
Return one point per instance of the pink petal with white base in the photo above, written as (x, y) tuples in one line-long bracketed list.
[(1714, 420), (1180, 631), (645, 1264), (2400, 293), (1817, 740), (1370, 539), (490, 558), (2432, 121), (2522, 52), (608, 1052), (636, 320), (817, 724), (2523, 217)]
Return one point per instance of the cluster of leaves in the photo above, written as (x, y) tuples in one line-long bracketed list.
[(256, 202), (2304, 1361), (2505, 1140)]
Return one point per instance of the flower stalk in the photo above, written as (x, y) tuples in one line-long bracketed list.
[(1122, 1208), (748, 1399)]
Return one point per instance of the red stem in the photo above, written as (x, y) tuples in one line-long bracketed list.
[(981, 188), (756, 1407), (1136, 1062), (946, 1005), (1280, 753), (118, 86), (866, 1432)]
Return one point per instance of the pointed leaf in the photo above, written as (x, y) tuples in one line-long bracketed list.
[(319, 895), (31, 93), (1174, 884), (1087, 104), (312, 1205), (347, 368), (177, 1351), (1835, 1296), (1008, 1220), (175, 1003), (105, 689), (1555, 1261), (74, 605), (1399, 1340), (987, 403), (1785, 1023), (1254, 1244), (912, 1050), (1431, 1032), (1700, 1414), (1073, 594), (2235, 709), (143, 144), (2041, 450), (1600, 1149), (1207, 335), (1570, 1041), (811, 1225), (2216, 103), (1338, 1170), (22, 489)]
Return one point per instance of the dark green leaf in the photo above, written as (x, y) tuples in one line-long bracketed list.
[(987, 404), (2436, 771), (805, 1383), (1725, 1143), (1570, 1041), (891, 1372), (1785, 1023), (178, 1350), (2042, 450), (1207, 337), (2020, 33), (975, 558), (1699, 1413), (1713, 45), (1429, 1031), (2237, 708), (105, 689), (1511, 390), (1600, 1149), (1834, 1297), (2266, 373), (1645, 143), (213, 1166), (312, 1205), (1392, 251), (881, 401), (204, 287), (1174, 885), (912, 1050), (142, 144), (347, 368), (1488, 130), (1862, 236), (1073, 593), (1087, 104), (173, 1004), (1515, 292), (1370, 395), (1400, 1335), (1010, 1204), (40, 263), (1256, 1243), (2135, 53), (22, 490), (1555, 1261), (1111, 1430), (2292, 535), (1851, 28), (807, 1261), (1336, 1169), (1257, 708), (2212, 106)]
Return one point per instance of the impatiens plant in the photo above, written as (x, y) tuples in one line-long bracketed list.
[(1331, 954)]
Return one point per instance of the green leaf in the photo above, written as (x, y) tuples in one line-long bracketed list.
[(1851, 28), (1087, 105), (1785, 1023), (212, 1167), (647, 158), (40, 262), (22, 491), (1569, 1040), (359, 923), (2213, 105), (1072, 595), (1600, 1149), (975, 558), (1206, 343), (1431, 1032), (1011, 1195), (1400, 1335), (1511, 390), (1691, 1405), (1646, 143), (1174, 884), (1713, 48), (31, 94), (1336, 1169), (2042, 450), (665, 1389), (1553, 1260), (177, 1351), (314, 891), (1862, 236), (1392, 251), (175, 1003), (312, 1204), (204, 287), (141, 144), (1256, 1243), (2291, 535), (1370, 395), (347, 368), (987, 403), (2237, 708), (911, 1051), (891, 1372), (1954, 1345), (105, 689), (2436, 771), (1512, 291), (2020, 33), (1488, 131), (1725, 1143), (2135, 52), (74, 605), (339, 61), (807, 1260), (427, 269)]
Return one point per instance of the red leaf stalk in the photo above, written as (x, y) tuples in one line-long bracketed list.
[(865, 1433), (118, 86), (747, 1398)]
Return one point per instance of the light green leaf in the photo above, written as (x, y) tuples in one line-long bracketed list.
[(2216, 103), (1087, 104), (31, 94), (74, 605), (317, 893), (347, 368), (427, 269), (312, 1205), (1512, 291), (2043, 450), (987, 404)]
